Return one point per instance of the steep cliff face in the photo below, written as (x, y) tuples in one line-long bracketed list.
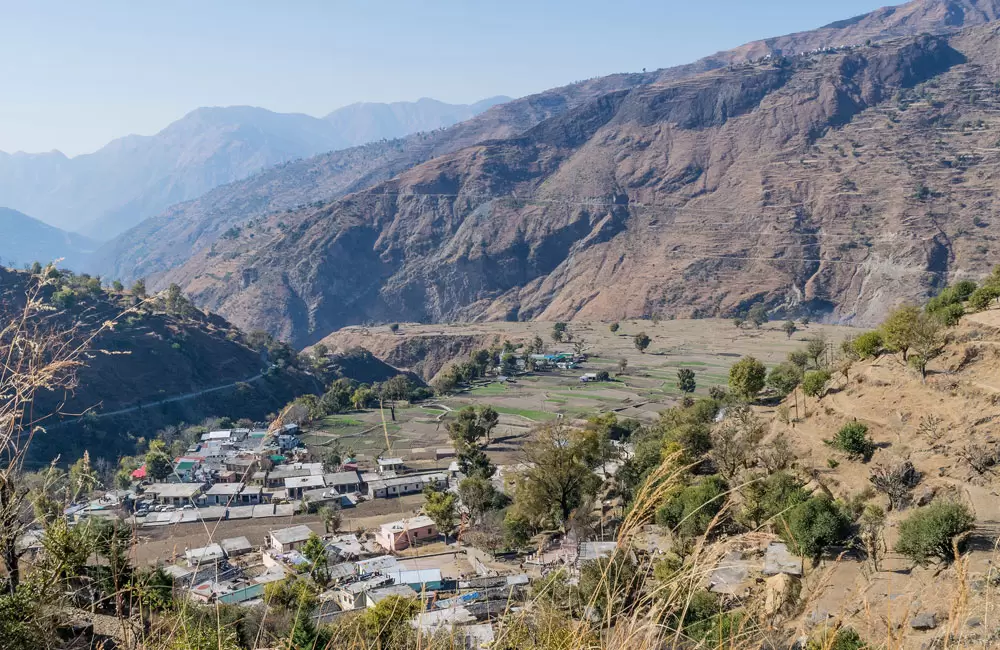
[(800, 182)]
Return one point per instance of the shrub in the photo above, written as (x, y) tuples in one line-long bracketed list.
[(814, 524), (641, 341), (949, 315), (603, 375), (686, 380), (784, 377), (613, 327), (814, 381), (929, 532), (853, 439), (770, 497), (982, 297), (691, 510), (843, 639), (869, 345)]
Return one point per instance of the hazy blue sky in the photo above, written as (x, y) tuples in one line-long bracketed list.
[(74, 75)]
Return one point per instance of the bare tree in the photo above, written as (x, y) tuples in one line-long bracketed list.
[(895, 479)]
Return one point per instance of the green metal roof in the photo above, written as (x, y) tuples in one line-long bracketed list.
[(184, 465), (242, 595)]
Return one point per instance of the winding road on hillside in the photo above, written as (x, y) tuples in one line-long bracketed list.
[(176, 398)]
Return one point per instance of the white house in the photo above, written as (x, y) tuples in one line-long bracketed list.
[(409, 484), (288, 539)]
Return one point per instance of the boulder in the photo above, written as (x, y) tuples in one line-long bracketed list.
[(778, 559), (924, 621), (779, 590), (926, 496)]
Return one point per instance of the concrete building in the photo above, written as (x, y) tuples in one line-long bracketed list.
[(390, 464), (233, 494), (410, 484), (352, 596), (295, 486), (343, 482), (288, 539), (375, 596), (402, 534), (175, 494), (204, 556)]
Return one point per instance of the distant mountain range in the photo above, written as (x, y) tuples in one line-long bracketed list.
[(24, 240), (106, 192)]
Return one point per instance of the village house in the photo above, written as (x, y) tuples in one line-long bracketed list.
[(390, 465), (375, 596), (175, 494), (410, 484), (399, 535), (343, 482), (236, 546), (197, 557), (234, 494), (295, 486), (288, 539), (352, 595), (420, 580)]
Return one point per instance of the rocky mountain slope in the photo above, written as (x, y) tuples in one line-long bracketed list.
[(168, 240), (135, 177), (26, 240), (833, 184)]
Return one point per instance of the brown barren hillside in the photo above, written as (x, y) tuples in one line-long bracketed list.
[(938, 425), (165, 241), (832, 184)]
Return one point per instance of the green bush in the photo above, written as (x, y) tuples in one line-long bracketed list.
[(814, 524), (770, 497), (784, 377), (853, 438), (843, 639), (950, 314), (814, 381), (691, 510), (869, 345), (983, 297), (928, 533)]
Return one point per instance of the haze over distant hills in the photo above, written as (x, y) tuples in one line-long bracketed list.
[(24, 240), (108, 191)]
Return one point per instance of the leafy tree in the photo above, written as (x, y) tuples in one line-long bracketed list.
[(746, 377), (473, 423), (362, 397), (314, 550), (814, 524), (441, 507), (789, 328), (622, 365), (690, 510), (603, 375), (158, 462), (516, 529), (560, 473), (641, 341), (139, 289), (897, 329), (853, 439), (983, 297), (766, 499), (736, 441), (784, 377), (686, 380), (488, 420), (926, 342), (931, 532), (613, 327), (331, 517), (816, 348), (612, 585), (869, 345), (480, 497), (799, 358), (474, 462), (176, 302), (394, 328), (557, 335), (559, 327), (757, 315), (387, 624), (739, 322), (117, 286), (814, 381)]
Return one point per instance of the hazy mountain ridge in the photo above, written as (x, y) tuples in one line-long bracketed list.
[(131, 178), (24, 240)]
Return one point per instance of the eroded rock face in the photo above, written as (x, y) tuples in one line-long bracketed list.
[(799, 182)]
